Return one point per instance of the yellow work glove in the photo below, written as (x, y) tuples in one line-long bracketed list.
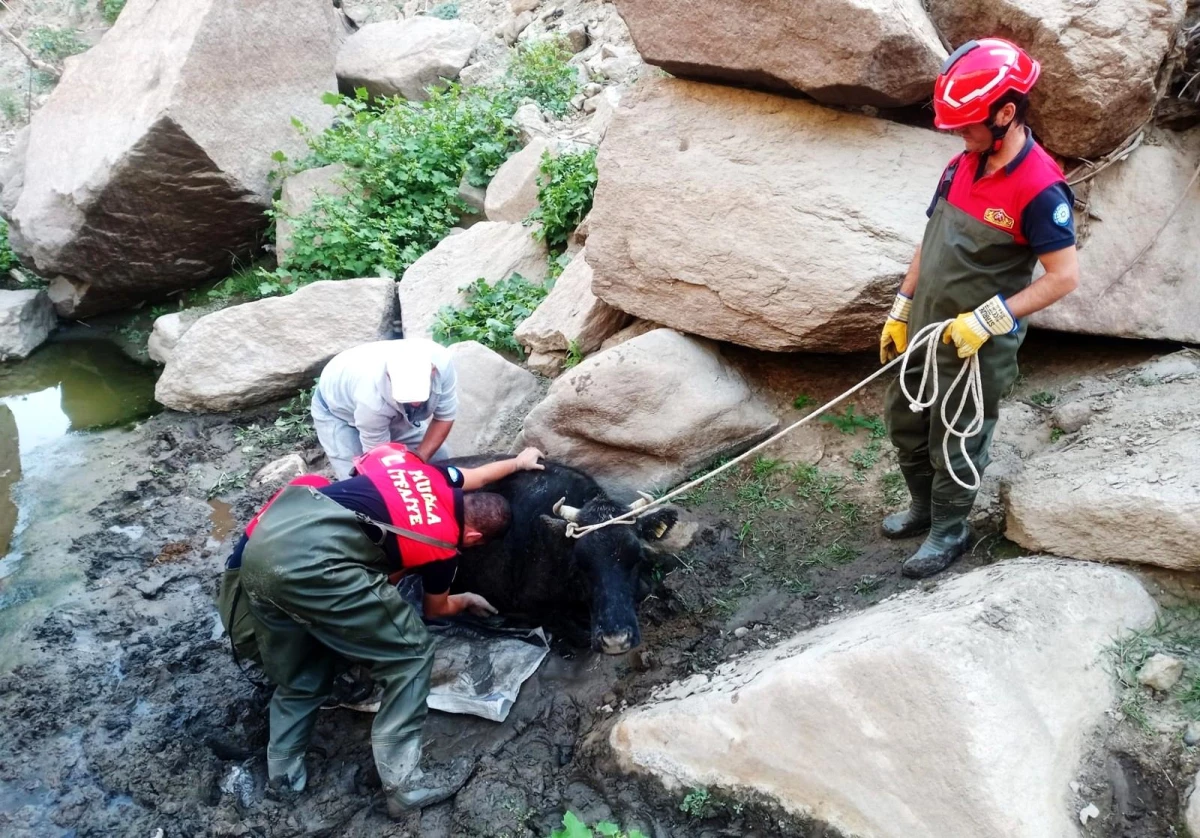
[(894, 339), (971, 330)]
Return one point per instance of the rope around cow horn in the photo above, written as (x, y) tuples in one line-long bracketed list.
[(927, 337)]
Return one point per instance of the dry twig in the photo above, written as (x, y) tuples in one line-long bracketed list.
[(34, 61)]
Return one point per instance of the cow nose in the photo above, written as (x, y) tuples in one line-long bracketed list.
[(616, 643)]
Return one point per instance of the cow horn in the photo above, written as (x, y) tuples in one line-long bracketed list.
[(567, 513), (645, 500)]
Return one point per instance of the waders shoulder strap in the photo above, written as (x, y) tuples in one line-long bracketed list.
[(403, 533)]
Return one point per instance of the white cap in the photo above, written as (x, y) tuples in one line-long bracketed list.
[(410, 371)]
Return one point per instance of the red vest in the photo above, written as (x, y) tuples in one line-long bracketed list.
[(314, 480), (999, 199), (418, 498)]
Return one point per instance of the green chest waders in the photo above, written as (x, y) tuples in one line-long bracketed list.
[(315, 586), (964, 263)]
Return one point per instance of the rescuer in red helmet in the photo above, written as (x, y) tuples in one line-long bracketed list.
[(1002, 205)]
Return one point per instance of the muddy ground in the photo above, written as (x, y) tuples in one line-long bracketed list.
[(124, 713)]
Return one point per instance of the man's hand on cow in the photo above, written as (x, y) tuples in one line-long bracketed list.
[(473, 604), (480, 476), (527, 460)]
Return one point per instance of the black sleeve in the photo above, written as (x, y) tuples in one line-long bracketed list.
[(453, 475), (1048, 222), (437, 577), (235, 558)]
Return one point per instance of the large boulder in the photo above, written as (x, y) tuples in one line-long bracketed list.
[(26, 320), (1128, 487), (513, 193), (297, 196), (1097, 56), (961, 712), (405, 57), (492, 250), (647, 413), (146, 170), (755, 219), (493, 397), (255, 352), (850, 52), (1157, 296), (167, 330), (571, 317)]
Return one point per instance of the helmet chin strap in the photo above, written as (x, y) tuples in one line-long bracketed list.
[(999, 132)]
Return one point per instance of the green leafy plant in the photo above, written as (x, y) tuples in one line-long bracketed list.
[(1042, 398), (573, 827), (492, 313), (54, 43), (557, 264), (249, 283), (851, 422), (111, 9), (864, 459), (445, 11), (11, 105), (574, 355), (566, 187), (8, 259), (539, 71), (802, 401), (894, 489), (1056, 434), (291, 428), (867, 585), (404, 162), (698, 804), (227, 481)]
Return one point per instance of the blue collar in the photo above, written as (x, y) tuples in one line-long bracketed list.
[(1022, 154)]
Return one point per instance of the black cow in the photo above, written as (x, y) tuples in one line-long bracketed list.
[(537, 570)]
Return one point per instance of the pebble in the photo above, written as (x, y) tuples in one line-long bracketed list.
[(1161, 672), (1087, 813), (740, 632), (1191, 736)]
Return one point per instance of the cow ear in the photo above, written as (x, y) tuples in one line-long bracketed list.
[(655, 525), (556, 527)]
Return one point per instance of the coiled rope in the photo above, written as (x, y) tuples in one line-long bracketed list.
[(972, 392), (927, 338)]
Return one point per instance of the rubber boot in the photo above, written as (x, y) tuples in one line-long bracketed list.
[(287, 774), (914, 520), (948, 537), (406, 786)]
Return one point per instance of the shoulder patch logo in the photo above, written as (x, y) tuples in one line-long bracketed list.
[(1062, 215), (1000, 218)]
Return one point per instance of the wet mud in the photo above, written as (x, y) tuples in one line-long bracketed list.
[(124, 712)]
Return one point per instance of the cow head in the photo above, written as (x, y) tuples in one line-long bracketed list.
[(610, 559)]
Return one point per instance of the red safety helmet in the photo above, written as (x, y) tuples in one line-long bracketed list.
[(975, 77)]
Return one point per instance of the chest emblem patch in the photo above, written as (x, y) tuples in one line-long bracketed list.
[(999, 217)]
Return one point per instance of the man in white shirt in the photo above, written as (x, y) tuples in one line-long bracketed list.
[(387, 391)]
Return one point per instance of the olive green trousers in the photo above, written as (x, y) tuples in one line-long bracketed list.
[(315, 586)]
